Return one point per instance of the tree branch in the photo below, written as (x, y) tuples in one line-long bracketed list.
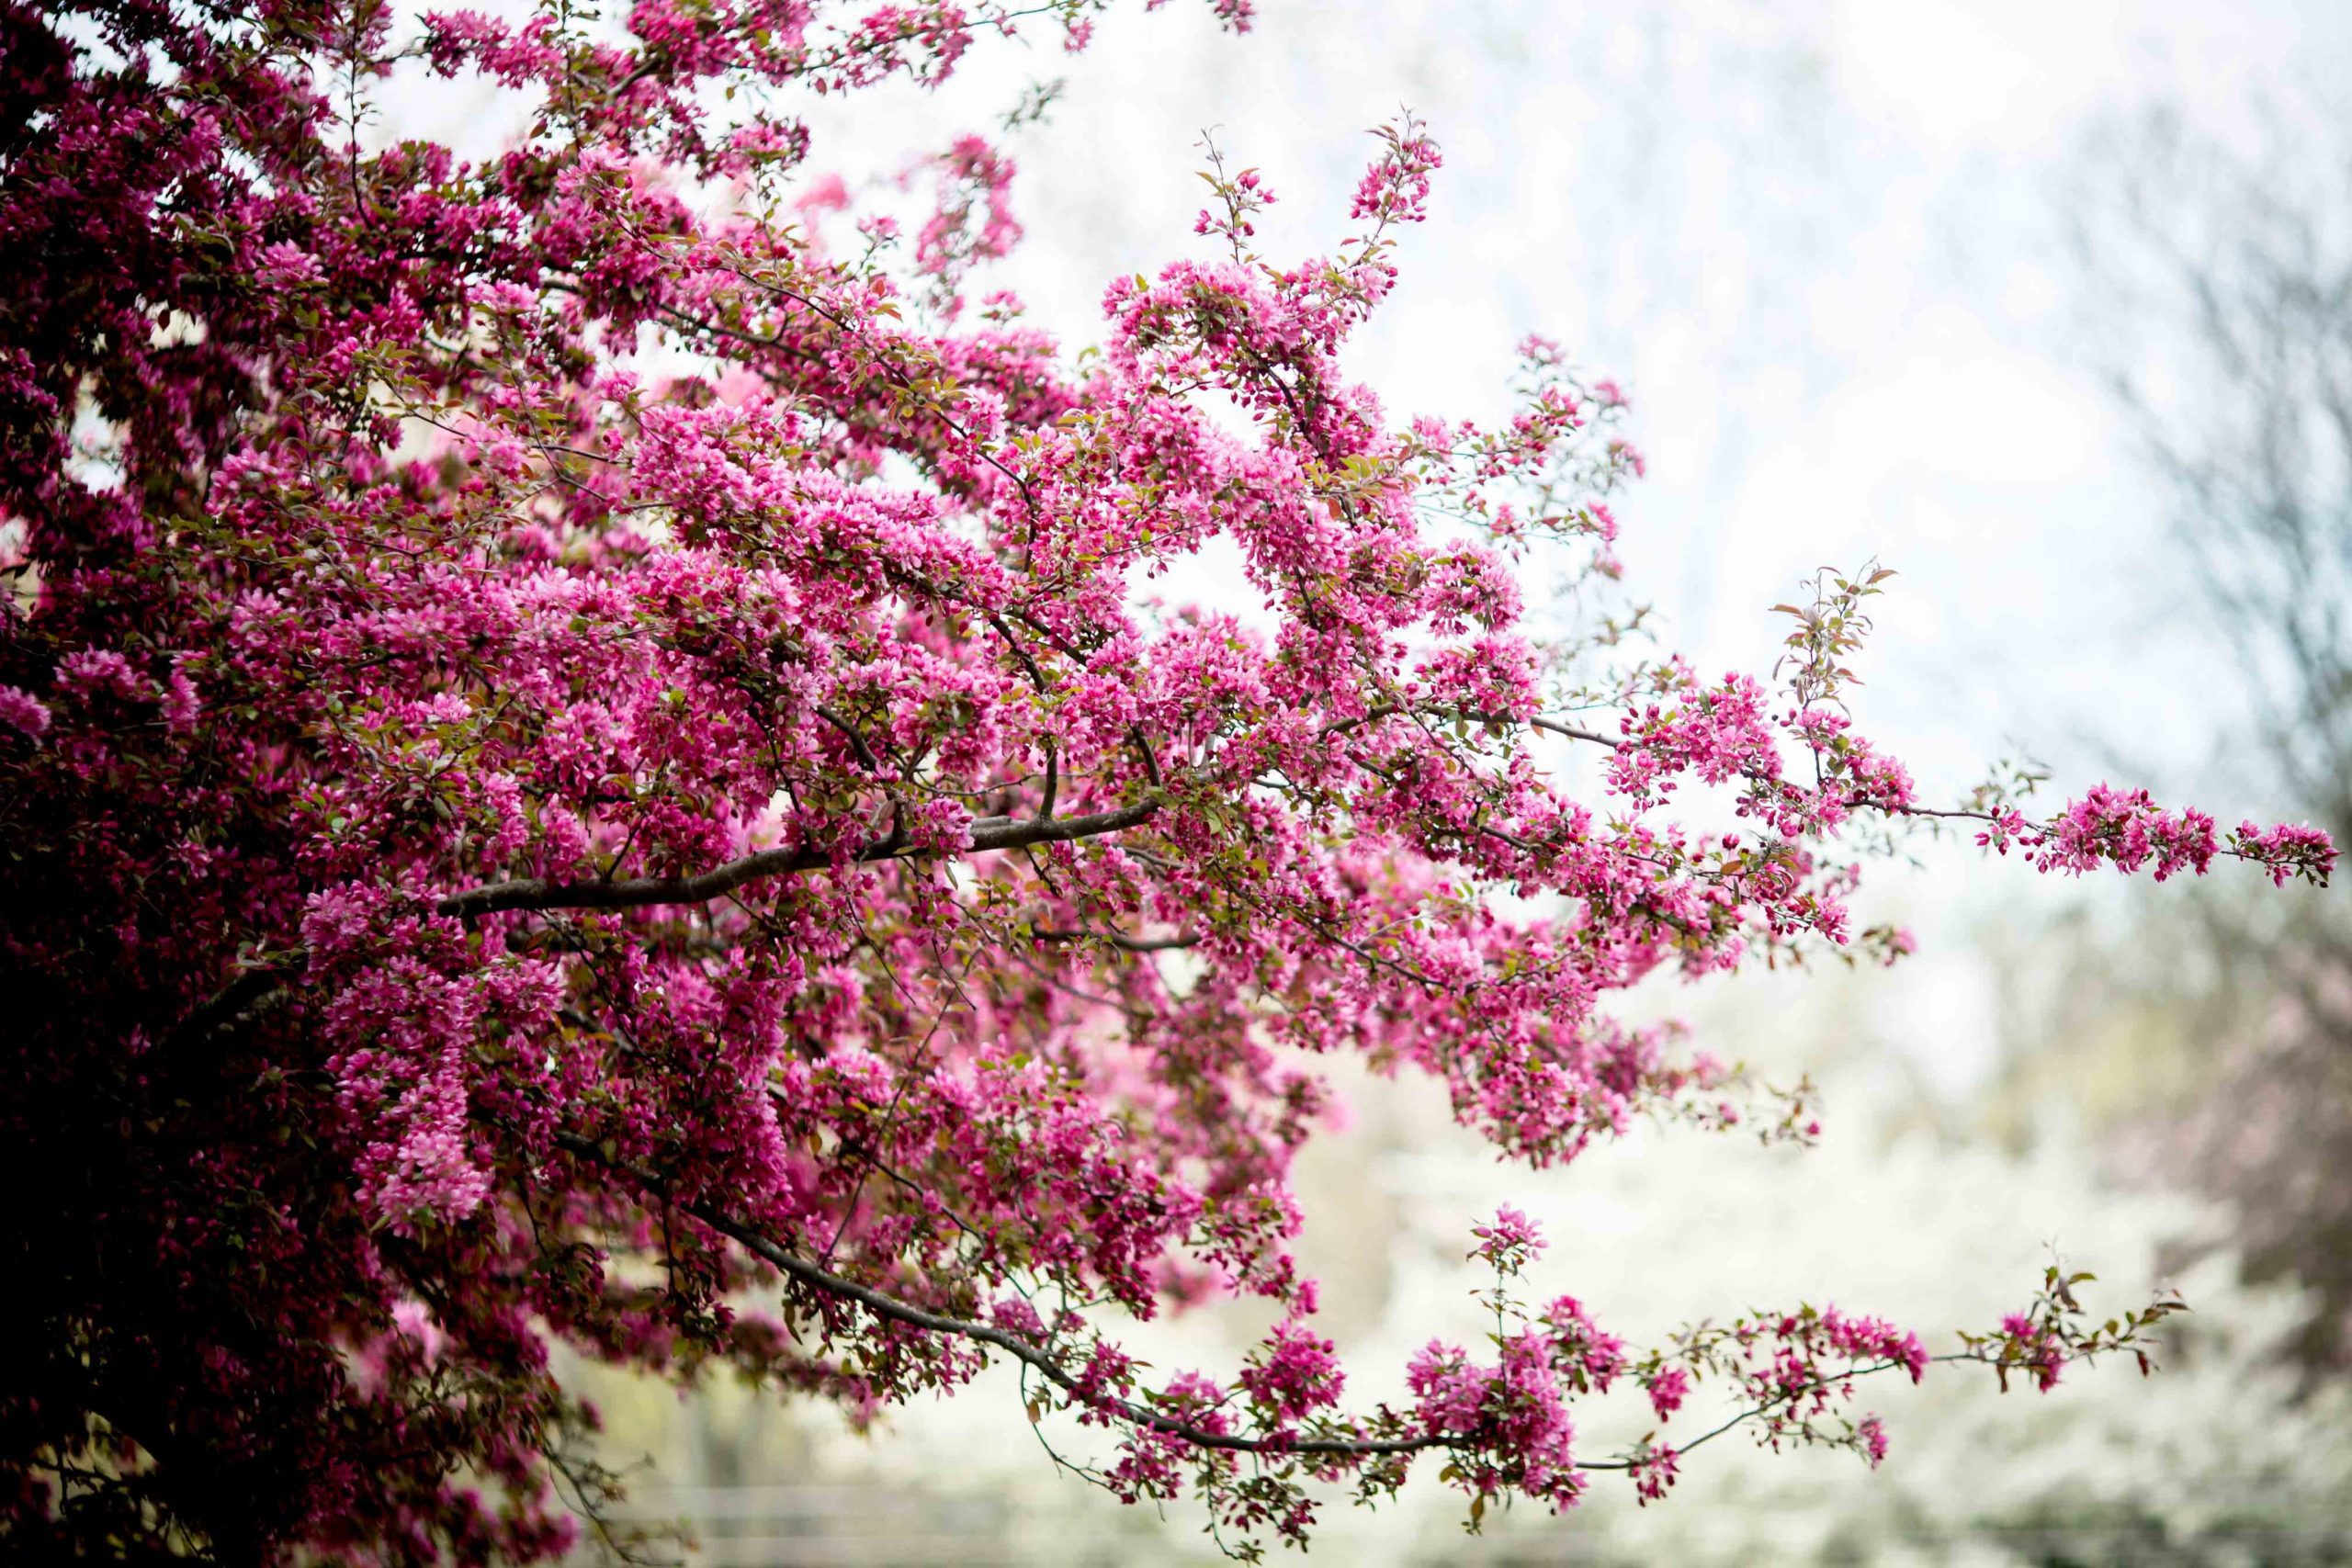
[(262, 986), (255, 989), (891, 1308), (1389, 710), (988, 833), (883, 1305), (1121, 941)]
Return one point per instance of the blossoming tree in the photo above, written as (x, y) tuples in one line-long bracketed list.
[(578, 767)]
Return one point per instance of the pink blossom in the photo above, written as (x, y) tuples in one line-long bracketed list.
[(23, 712), (1667, 1390), (1509, 1239)]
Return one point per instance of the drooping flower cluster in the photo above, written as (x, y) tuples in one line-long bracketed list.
[(2127, 829), (580, 768)]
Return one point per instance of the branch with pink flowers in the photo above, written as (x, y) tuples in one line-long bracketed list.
[(985, 834), (1497, 1422)]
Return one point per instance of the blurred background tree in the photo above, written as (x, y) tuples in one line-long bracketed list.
[(2216, 1044)]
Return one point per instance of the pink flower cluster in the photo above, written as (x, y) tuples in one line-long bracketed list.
[(2036, 1345), (2127, 829)]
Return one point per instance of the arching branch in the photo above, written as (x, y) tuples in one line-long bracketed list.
[(637, 892)]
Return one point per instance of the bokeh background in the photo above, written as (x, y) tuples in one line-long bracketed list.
[(2047, 305)]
